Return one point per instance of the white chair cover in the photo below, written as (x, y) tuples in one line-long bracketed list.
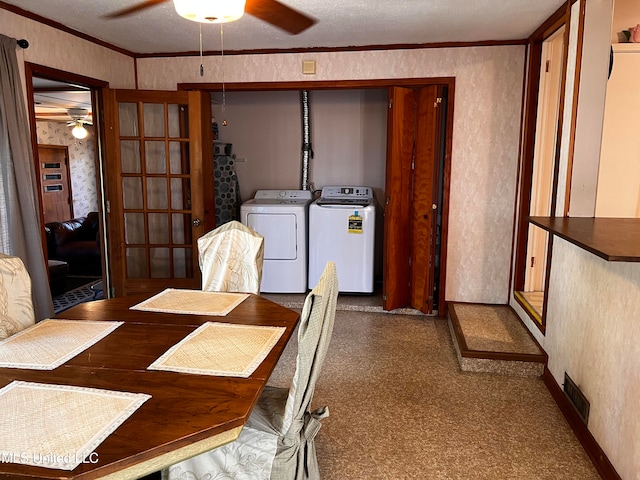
[(16, 306), (278, 441), (231, 258)]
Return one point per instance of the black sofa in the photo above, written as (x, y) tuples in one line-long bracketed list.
[(76, 242)]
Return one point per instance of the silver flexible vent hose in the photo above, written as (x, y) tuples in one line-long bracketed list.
[(307, 152)]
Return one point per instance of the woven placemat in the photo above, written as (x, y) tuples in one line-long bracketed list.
[(193, 302), (50, 343), (59, 426), (220, 349)]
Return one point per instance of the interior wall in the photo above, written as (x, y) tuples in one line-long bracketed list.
[(81, 163), (348, 137), (57, 49), (593, 334), (619, 172), (618, 192), (264, 128), (486, 118), (588, 134), (626, 14)]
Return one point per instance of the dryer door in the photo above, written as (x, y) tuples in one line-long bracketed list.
[(279, 232)]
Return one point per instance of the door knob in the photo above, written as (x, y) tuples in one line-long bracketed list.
[(196, 222)]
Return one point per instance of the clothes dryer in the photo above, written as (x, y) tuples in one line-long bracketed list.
[(280, 216)]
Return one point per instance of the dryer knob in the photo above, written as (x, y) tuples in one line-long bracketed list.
[(282, 194)]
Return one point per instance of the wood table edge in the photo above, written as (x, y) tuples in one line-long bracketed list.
[(166, 460)]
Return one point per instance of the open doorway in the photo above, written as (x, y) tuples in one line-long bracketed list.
[(530, 291), (67, 165)]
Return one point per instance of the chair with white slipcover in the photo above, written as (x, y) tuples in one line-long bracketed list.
[(231, 258), (16, 305), (277, 442)]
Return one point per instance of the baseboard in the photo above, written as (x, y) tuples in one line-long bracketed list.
[(589, 443)]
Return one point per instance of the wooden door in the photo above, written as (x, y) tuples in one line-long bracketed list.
[(423, 219), (159, 159), (411, 194), (55, 183), (397, 208)]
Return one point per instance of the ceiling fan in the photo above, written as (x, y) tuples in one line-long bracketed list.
[(208, 11), (79, 120)]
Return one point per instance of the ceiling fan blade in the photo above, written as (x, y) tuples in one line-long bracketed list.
[(279, 15), (135, 8)]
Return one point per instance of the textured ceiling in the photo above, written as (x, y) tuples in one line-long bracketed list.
[(340, 23)]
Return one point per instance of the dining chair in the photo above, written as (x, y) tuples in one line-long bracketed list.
[(278, 440), (231, 258), (16, 305)]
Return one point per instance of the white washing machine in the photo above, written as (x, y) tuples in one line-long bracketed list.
[(342, 225), (280, 216)]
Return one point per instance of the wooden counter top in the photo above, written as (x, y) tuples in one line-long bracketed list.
[(614, 239)]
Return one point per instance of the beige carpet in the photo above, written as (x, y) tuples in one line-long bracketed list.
[(493, 328), (402, 409)]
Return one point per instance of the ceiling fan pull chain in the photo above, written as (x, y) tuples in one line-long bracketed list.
[(201, 65), (224, 94)]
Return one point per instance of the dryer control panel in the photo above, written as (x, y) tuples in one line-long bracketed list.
[(284, 194)]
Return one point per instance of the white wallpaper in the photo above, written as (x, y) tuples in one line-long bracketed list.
[(81, 163), (593, 334), (63, 51), (488, 95)]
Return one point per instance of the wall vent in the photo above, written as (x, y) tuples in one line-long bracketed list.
[(576, 398)]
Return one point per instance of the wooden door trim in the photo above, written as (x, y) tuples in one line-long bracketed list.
[(446, 185), (320, 84), (418, 82), (113, 189), (35, 70), (444, 152)]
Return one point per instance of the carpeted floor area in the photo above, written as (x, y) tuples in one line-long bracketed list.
[(400, 408)]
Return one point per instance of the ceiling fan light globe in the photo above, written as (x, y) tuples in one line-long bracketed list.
[(79, 131), (210, 11)]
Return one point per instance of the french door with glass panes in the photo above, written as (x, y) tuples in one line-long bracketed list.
[(158, 178)]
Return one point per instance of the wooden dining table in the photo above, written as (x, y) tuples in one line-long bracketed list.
[(187, 413)]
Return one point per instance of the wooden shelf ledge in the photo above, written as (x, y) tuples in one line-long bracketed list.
[(614, 239)]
